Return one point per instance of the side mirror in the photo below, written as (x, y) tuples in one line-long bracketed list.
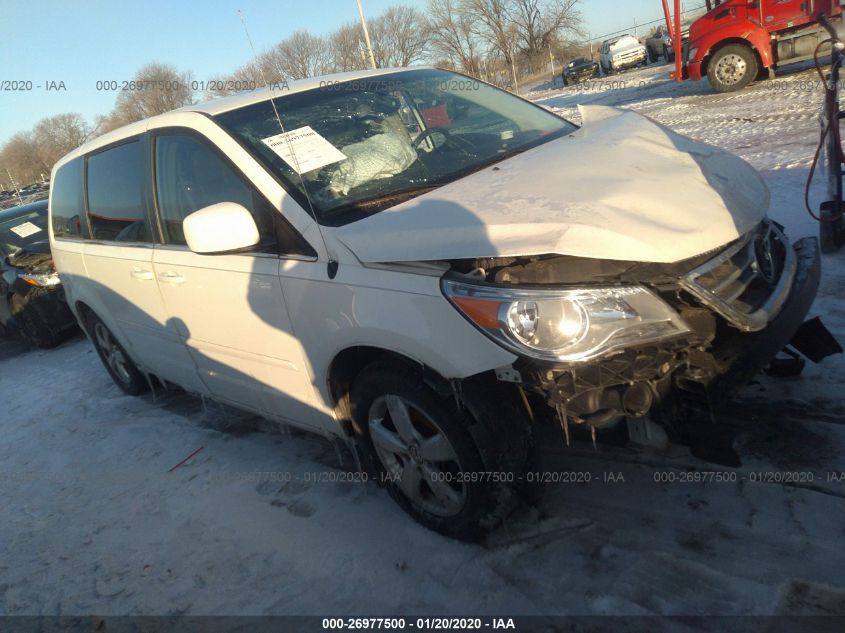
[(224, 227)]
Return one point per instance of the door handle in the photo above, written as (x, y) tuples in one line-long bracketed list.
[(140, 273), (171, 277)]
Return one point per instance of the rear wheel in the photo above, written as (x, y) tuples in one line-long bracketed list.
[(426, 451), (123, 371), (732, 68)]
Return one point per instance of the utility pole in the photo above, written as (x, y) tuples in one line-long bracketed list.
[(552, 62), (367, 35), (15, 187)]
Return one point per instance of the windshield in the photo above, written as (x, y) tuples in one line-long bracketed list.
[(356, 147), (22, 230)]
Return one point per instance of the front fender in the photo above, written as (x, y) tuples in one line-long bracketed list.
[(752, 35), (403, 313)]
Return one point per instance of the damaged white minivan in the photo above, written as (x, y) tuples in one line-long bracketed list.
[(429, 267)]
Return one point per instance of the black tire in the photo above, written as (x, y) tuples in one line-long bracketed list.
[(481, 504), (122, 369), (732, 68), (669, 53), (32, 325)]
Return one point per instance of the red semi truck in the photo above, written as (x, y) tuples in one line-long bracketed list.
[(737, 40)]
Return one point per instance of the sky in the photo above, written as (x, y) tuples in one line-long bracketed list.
[(64, 48)]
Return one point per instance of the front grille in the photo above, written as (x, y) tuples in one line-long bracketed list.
[(747, 282), (624, 58)]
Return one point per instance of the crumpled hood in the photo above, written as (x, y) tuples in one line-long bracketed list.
[(621, 187), (34, 258)]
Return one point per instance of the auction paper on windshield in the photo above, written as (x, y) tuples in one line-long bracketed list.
[(25, 230), (304, 149)]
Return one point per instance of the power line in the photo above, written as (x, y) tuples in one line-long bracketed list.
[(641, 25)]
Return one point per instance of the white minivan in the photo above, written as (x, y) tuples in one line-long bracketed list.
[(429, 267)]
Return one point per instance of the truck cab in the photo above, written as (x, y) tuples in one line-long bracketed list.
[(736, 40)]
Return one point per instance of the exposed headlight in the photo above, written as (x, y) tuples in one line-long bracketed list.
[(50, 279), (566, 325)]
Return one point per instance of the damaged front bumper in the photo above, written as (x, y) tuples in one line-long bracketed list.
[(731, 342), (761, 347)]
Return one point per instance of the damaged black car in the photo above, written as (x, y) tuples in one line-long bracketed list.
[(33, 305)]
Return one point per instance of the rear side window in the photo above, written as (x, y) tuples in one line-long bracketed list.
[(191, 175), (66, 204), (116, 208)]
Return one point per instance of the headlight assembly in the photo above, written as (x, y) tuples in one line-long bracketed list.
[(565, 325), (37, 279)]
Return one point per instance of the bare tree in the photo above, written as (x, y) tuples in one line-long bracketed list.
[(347, 49), (57, 135), (453, 35), (156, 89), (400, 37), (299, 56), (492, 22), (539, 24), (20, 156)]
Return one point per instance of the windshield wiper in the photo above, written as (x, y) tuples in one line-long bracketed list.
[(392, 198)]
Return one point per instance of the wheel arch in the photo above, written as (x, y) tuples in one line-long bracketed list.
[(83, 311), (348, 363)]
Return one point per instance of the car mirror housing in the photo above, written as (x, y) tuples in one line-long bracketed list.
[(225, 227)]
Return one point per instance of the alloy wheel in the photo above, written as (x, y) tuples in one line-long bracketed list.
[(417, 455), (112, 353)]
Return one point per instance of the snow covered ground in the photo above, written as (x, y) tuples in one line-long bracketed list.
[(95, 519)]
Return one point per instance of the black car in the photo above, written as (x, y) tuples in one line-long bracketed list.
[(33, 303), (579, 70)]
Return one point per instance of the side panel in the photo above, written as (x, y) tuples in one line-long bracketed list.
[(230, 312), (123, 280), (785, 14)]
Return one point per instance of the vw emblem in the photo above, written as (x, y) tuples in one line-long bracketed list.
[(416, 454), (764, 259)]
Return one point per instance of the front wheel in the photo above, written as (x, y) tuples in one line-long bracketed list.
[(732, 68), (421, 446)]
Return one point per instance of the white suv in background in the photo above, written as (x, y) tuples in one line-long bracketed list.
[(428, 267), (622, 52)]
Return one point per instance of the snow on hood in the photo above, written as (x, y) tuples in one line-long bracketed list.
[(621, 187), (624, 44)]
